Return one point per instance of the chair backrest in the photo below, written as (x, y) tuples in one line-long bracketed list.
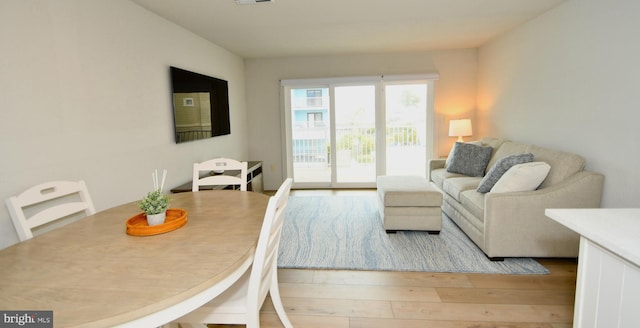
[(265, 263), (220, 165), (60, 194)]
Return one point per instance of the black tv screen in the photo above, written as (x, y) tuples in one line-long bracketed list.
[(200, 105)]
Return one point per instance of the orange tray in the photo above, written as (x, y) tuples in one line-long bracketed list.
[(138, 226)]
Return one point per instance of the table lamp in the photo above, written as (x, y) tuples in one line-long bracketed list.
[(460, 128)]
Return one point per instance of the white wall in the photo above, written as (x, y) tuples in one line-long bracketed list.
[(85, 94), (455, 93), (569, 80)]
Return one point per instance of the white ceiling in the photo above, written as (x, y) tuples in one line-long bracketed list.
[(326, 27)]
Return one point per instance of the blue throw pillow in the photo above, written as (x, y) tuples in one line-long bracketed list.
[(469, 159), (502, 166)]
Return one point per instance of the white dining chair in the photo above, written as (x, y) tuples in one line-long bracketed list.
[(218, 166), (241, 303), (49, 201)]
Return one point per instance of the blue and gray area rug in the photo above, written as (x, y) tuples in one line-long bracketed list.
[(345, 232)]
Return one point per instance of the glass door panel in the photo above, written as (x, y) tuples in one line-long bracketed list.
[(355, 113), (310, 135), (406, 122)]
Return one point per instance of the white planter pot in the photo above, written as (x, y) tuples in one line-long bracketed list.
[(156, 219)]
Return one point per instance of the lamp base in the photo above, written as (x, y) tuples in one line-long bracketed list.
[(459, 139)]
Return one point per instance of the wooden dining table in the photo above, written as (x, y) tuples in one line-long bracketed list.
[(91, 273)]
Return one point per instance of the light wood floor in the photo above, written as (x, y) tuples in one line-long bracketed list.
[(372, 299)]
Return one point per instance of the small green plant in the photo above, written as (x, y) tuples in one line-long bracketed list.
[(154, 203)]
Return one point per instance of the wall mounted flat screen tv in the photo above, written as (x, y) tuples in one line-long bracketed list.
[(200, 105)]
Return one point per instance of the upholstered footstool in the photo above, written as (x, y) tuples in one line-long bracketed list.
[(409, 203)]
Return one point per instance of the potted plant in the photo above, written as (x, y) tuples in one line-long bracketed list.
[(155, 204)]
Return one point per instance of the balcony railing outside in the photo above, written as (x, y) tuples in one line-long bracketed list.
[(354, 144)]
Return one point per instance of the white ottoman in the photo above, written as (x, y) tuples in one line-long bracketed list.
[(409, 203)]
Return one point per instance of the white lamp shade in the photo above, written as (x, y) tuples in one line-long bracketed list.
[(460, 128)]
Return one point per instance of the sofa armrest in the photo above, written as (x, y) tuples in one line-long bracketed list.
[(517, 220), (434, 164)]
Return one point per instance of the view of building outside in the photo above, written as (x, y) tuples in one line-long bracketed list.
[(310, 134)]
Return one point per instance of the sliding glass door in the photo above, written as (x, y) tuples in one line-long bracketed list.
[(342, 134)]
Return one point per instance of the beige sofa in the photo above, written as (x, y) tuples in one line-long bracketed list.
[(513, 224)]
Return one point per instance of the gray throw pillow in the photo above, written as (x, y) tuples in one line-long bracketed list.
[(469, 159), (502, 166)]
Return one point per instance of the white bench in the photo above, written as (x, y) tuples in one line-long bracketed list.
[(409, 203)]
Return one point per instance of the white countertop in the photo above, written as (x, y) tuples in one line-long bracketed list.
[(616, 229)]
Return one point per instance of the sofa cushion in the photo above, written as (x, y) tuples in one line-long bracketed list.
[(563, 164), (438, 176), (522, 177), (506, 149), (500, 168), (494, 143), (450, 156), (469, 159), (454, 186)]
